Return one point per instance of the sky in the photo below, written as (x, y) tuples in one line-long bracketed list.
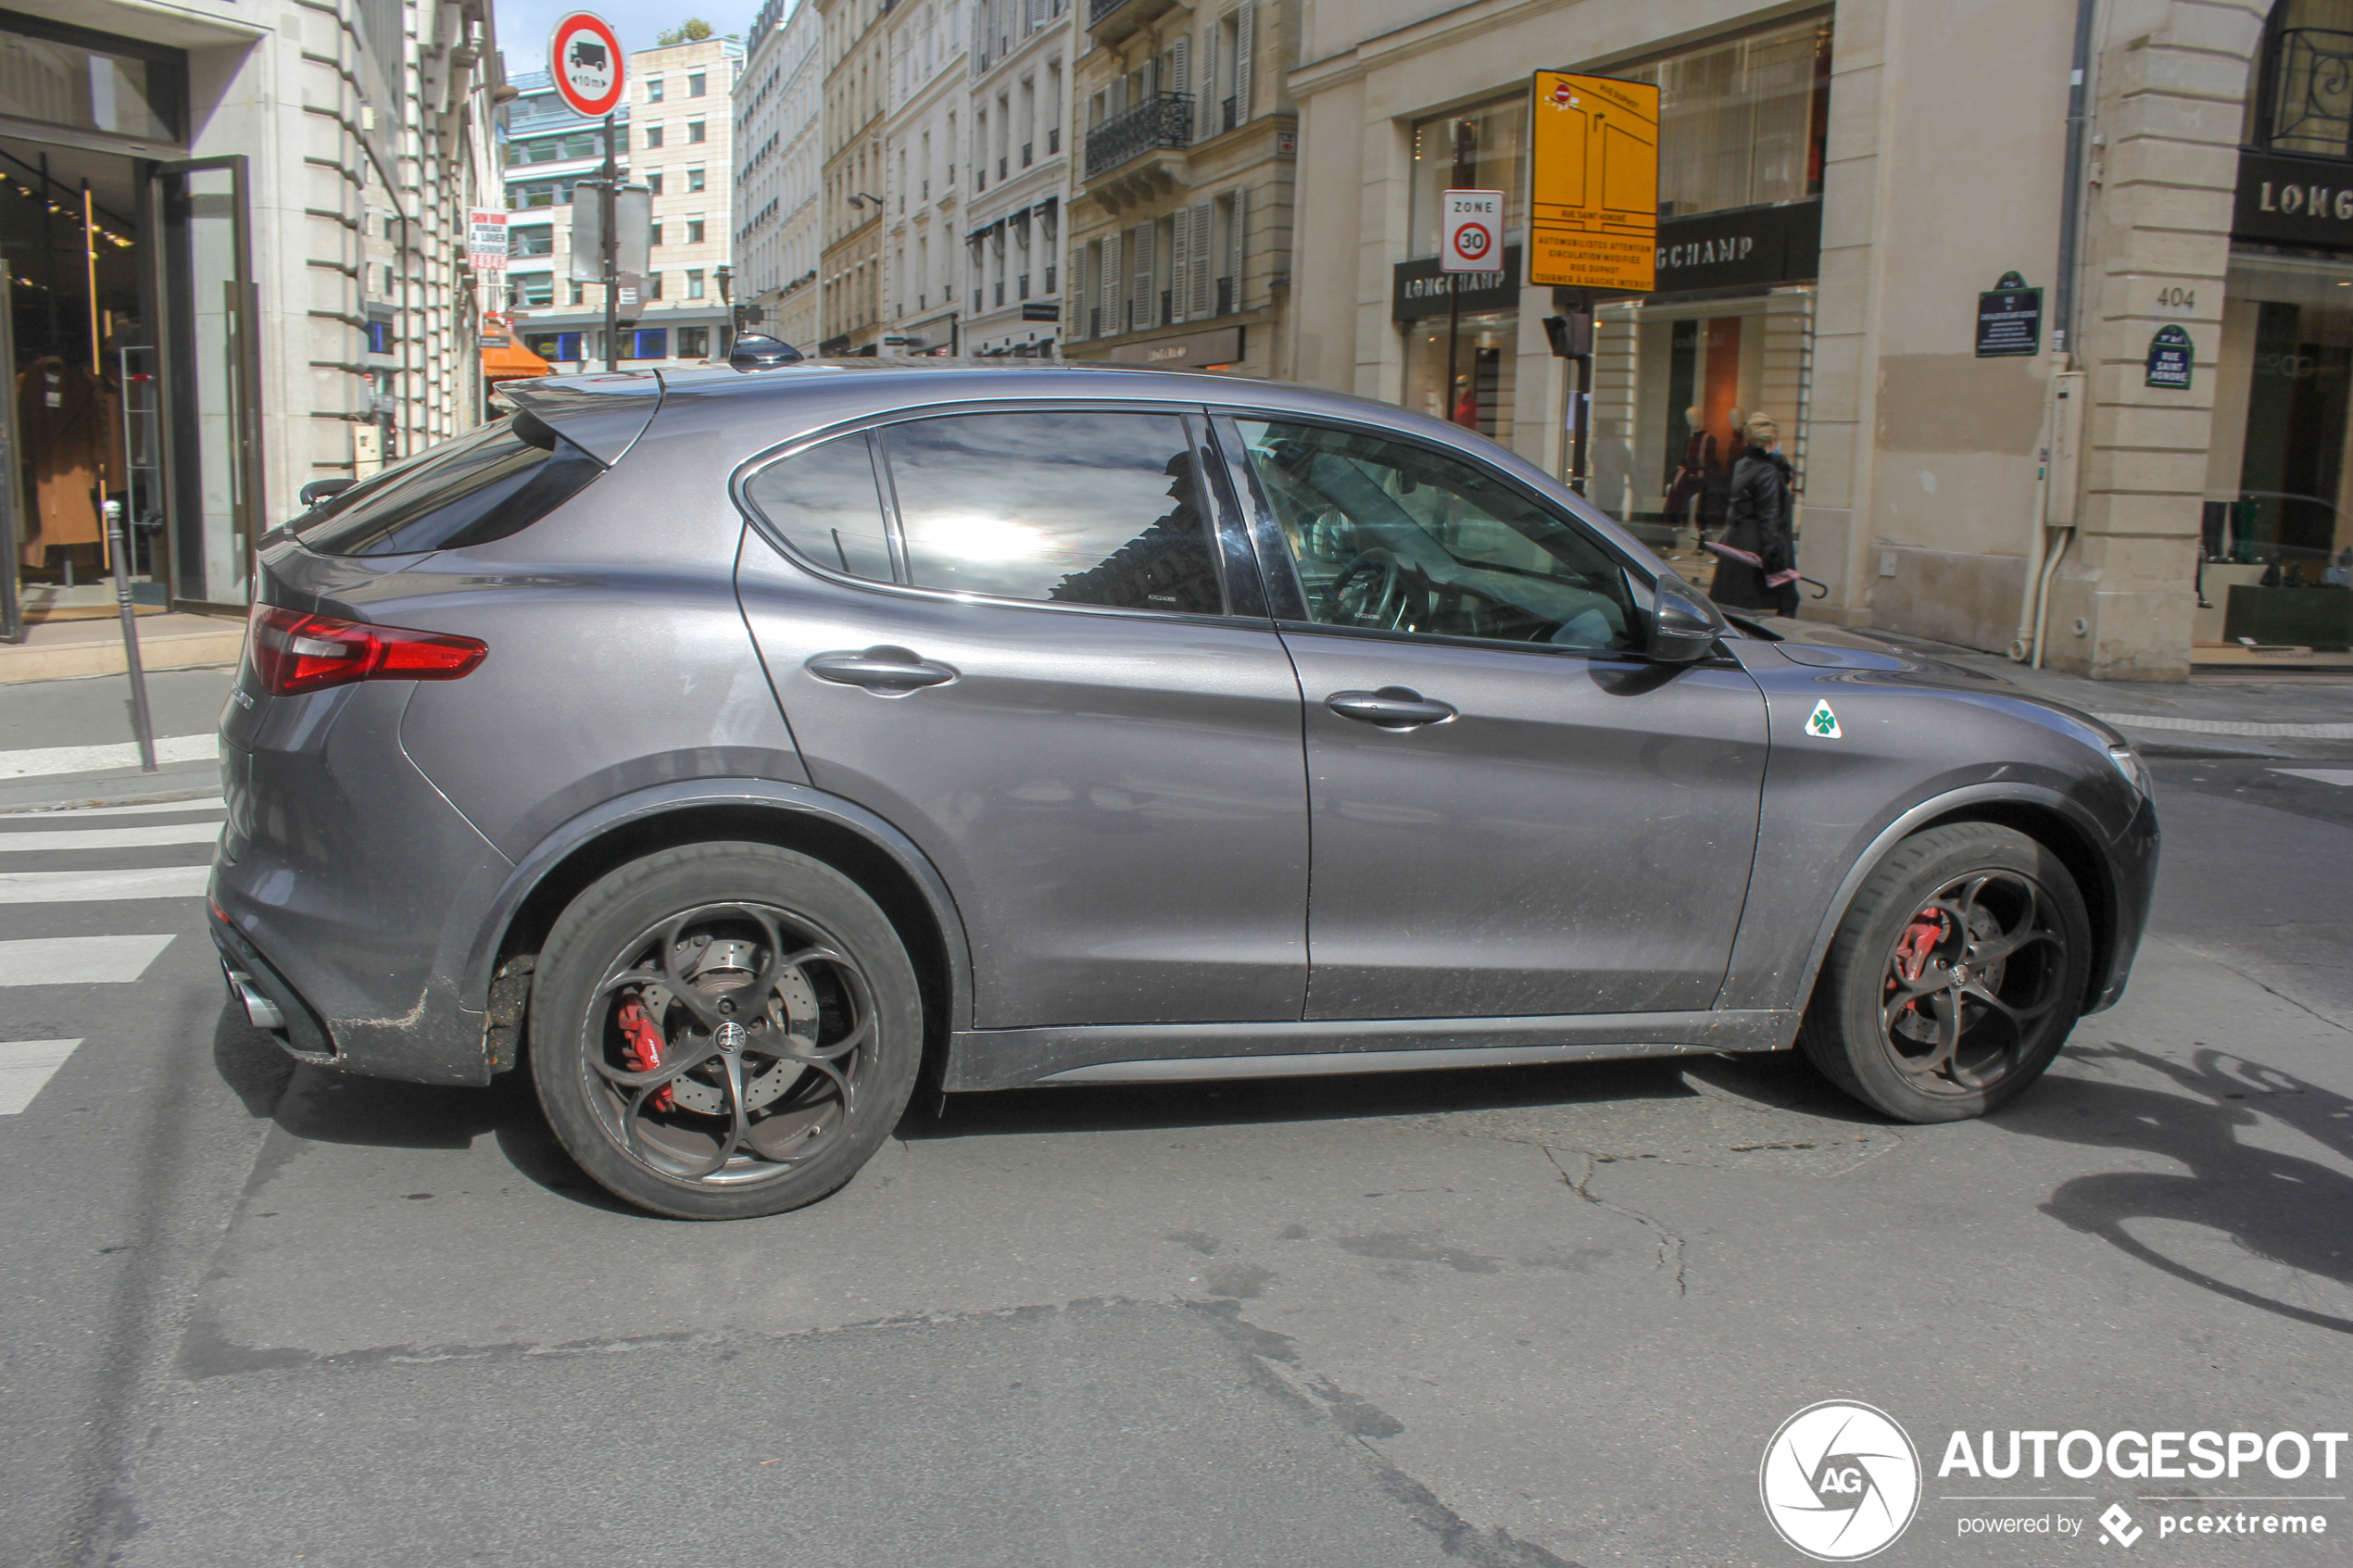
[(524, 25)]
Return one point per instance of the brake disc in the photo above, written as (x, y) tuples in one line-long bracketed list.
[(728, 966)]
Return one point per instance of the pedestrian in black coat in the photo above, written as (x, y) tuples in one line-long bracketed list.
[(1756, 559)]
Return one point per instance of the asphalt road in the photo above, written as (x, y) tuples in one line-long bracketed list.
[(251, 1314)]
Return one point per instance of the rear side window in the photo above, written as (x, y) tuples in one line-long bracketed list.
[(1071, 506), (488, 485), (825, 503)]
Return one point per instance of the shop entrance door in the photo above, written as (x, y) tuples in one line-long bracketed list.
[(212, 361)]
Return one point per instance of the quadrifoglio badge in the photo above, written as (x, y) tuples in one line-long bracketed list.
[(1841, 1481)]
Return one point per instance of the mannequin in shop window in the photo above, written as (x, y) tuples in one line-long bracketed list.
[(1756, 559), (1689, 487), (1465, 402), (71, 438)]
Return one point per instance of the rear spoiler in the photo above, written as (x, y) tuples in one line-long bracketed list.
[(601, 415)]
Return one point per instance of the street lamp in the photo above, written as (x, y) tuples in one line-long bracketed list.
[(860, 198)]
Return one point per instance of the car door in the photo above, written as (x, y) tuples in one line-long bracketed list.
[(1024, 639), (1515, 813)]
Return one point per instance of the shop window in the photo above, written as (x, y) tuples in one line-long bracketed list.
[(1742, 122), (557, 347), (2303, 101), (69, 85), (1494, 135), (1478, 393), (2278, 536), (693, 342), (646, 343)]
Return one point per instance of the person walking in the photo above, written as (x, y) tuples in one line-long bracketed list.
[(1756, 558)]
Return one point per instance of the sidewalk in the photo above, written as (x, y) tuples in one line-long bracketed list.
[(60, 649), (2255, 714)]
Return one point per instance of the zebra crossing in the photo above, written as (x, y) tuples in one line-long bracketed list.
[(147, 901)]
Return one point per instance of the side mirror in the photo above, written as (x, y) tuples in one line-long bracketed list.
[(318, 490), (758, 351), (1683, 625)]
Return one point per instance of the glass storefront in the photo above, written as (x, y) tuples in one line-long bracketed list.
[(2278, 533), (1481, 147), (1479, 395)]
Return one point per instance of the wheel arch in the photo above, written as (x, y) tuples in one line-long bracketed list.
[(863, 847), (2043, 815)]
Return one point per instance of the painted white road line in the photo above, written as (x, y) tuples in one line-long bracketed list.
[(2251, 727), (146, 809), (2325, 775), (79, 960), (45, 760), (90, 888), (25, 1066), (133, 837)]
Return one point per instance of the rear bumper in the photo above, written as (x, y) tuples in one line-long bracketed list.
[(346, 886), (256, 984)]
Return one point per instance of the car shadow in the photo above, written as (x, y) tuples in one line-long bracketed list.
[(2276, 1208), (320, 1105)]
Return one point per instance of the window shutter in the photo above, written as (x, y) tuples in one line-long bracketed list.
[(1235, 225), (1205, 290), (1110, 279), (1180, 64), (1243, 28), (1036, 14), (1205, 123), (1180, 263), (1140, 262)]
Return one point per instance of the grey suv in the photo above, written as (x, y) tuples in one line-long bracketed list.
[(740, 750)]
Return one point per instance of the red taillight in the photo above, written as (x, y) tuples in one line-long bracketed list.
[(294, 653)]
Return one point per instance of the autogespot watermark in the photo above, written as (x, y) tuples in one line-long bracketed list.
[(1841, 1481)]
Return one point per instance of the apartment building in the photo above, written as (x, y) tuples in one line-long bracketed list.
[(1180, 222), (851, 203), (779, 173), (1021, 52), (923, 123), (677, 132)]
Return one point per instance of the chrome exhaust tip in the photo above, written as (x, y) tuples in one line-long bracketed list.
[(260, 1012)]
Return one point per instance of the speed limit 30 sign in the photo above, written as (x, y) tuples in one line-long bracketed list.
[(1473, 236)]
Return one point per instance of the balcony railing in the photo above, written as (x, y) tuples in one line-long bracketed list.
[(1099, 11), (2309, 106), (1163, 119)]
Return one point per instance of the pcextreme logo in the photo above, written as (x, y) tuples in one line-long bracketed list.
[(1841, 1481)]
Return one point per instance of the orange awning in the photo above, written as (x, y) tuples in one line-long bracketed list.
[(510, 359)]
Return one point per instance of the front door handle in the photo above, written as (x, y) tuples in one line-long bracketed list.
[(892, 672), (1392, 708)]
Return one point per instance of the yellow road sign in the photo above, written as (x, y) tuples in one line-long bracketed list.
[(1593, 207)]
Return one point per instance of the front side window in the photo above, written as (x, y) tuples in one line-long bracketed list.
[(1071, 506), (1391, 536)]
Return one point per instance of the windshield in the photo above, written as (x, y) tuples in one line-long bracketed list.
[(487, 485)]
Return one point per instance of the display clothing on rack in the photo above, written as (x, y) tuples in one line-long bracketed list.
[(69, 438)]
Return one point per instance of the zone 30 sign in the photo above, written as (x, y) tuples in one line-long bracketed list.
[(1473, 241), (584, 56)]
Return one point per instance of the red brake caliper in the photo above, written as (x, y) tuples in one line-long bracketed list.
[(1919, 939), (641, 1044)]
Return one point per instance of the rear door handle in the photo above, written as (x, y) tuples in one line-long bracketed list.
[(1392, 708), (892, 672)]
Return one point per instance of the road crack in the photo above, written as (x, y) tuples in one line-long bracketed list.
[(1670, 1246)]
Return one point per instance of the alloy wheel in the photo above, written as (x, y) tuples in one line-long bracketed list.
[(729, 1043), (1972, 983)]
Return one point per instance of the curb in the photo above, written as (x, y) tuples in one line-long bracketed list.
[(179, 650)]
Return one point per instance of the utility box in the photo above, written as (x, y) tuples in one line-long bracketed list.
[(2068, 395)]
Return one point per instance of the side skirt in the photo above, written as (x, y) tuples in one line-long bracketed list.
[(1155, 1053)]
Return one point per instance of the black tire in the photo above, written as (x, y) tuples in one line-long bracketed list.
[(1955, 977), (783, 950)]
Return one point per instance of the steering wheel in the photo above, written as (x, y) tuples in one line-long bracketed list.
[(1370, 591)]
